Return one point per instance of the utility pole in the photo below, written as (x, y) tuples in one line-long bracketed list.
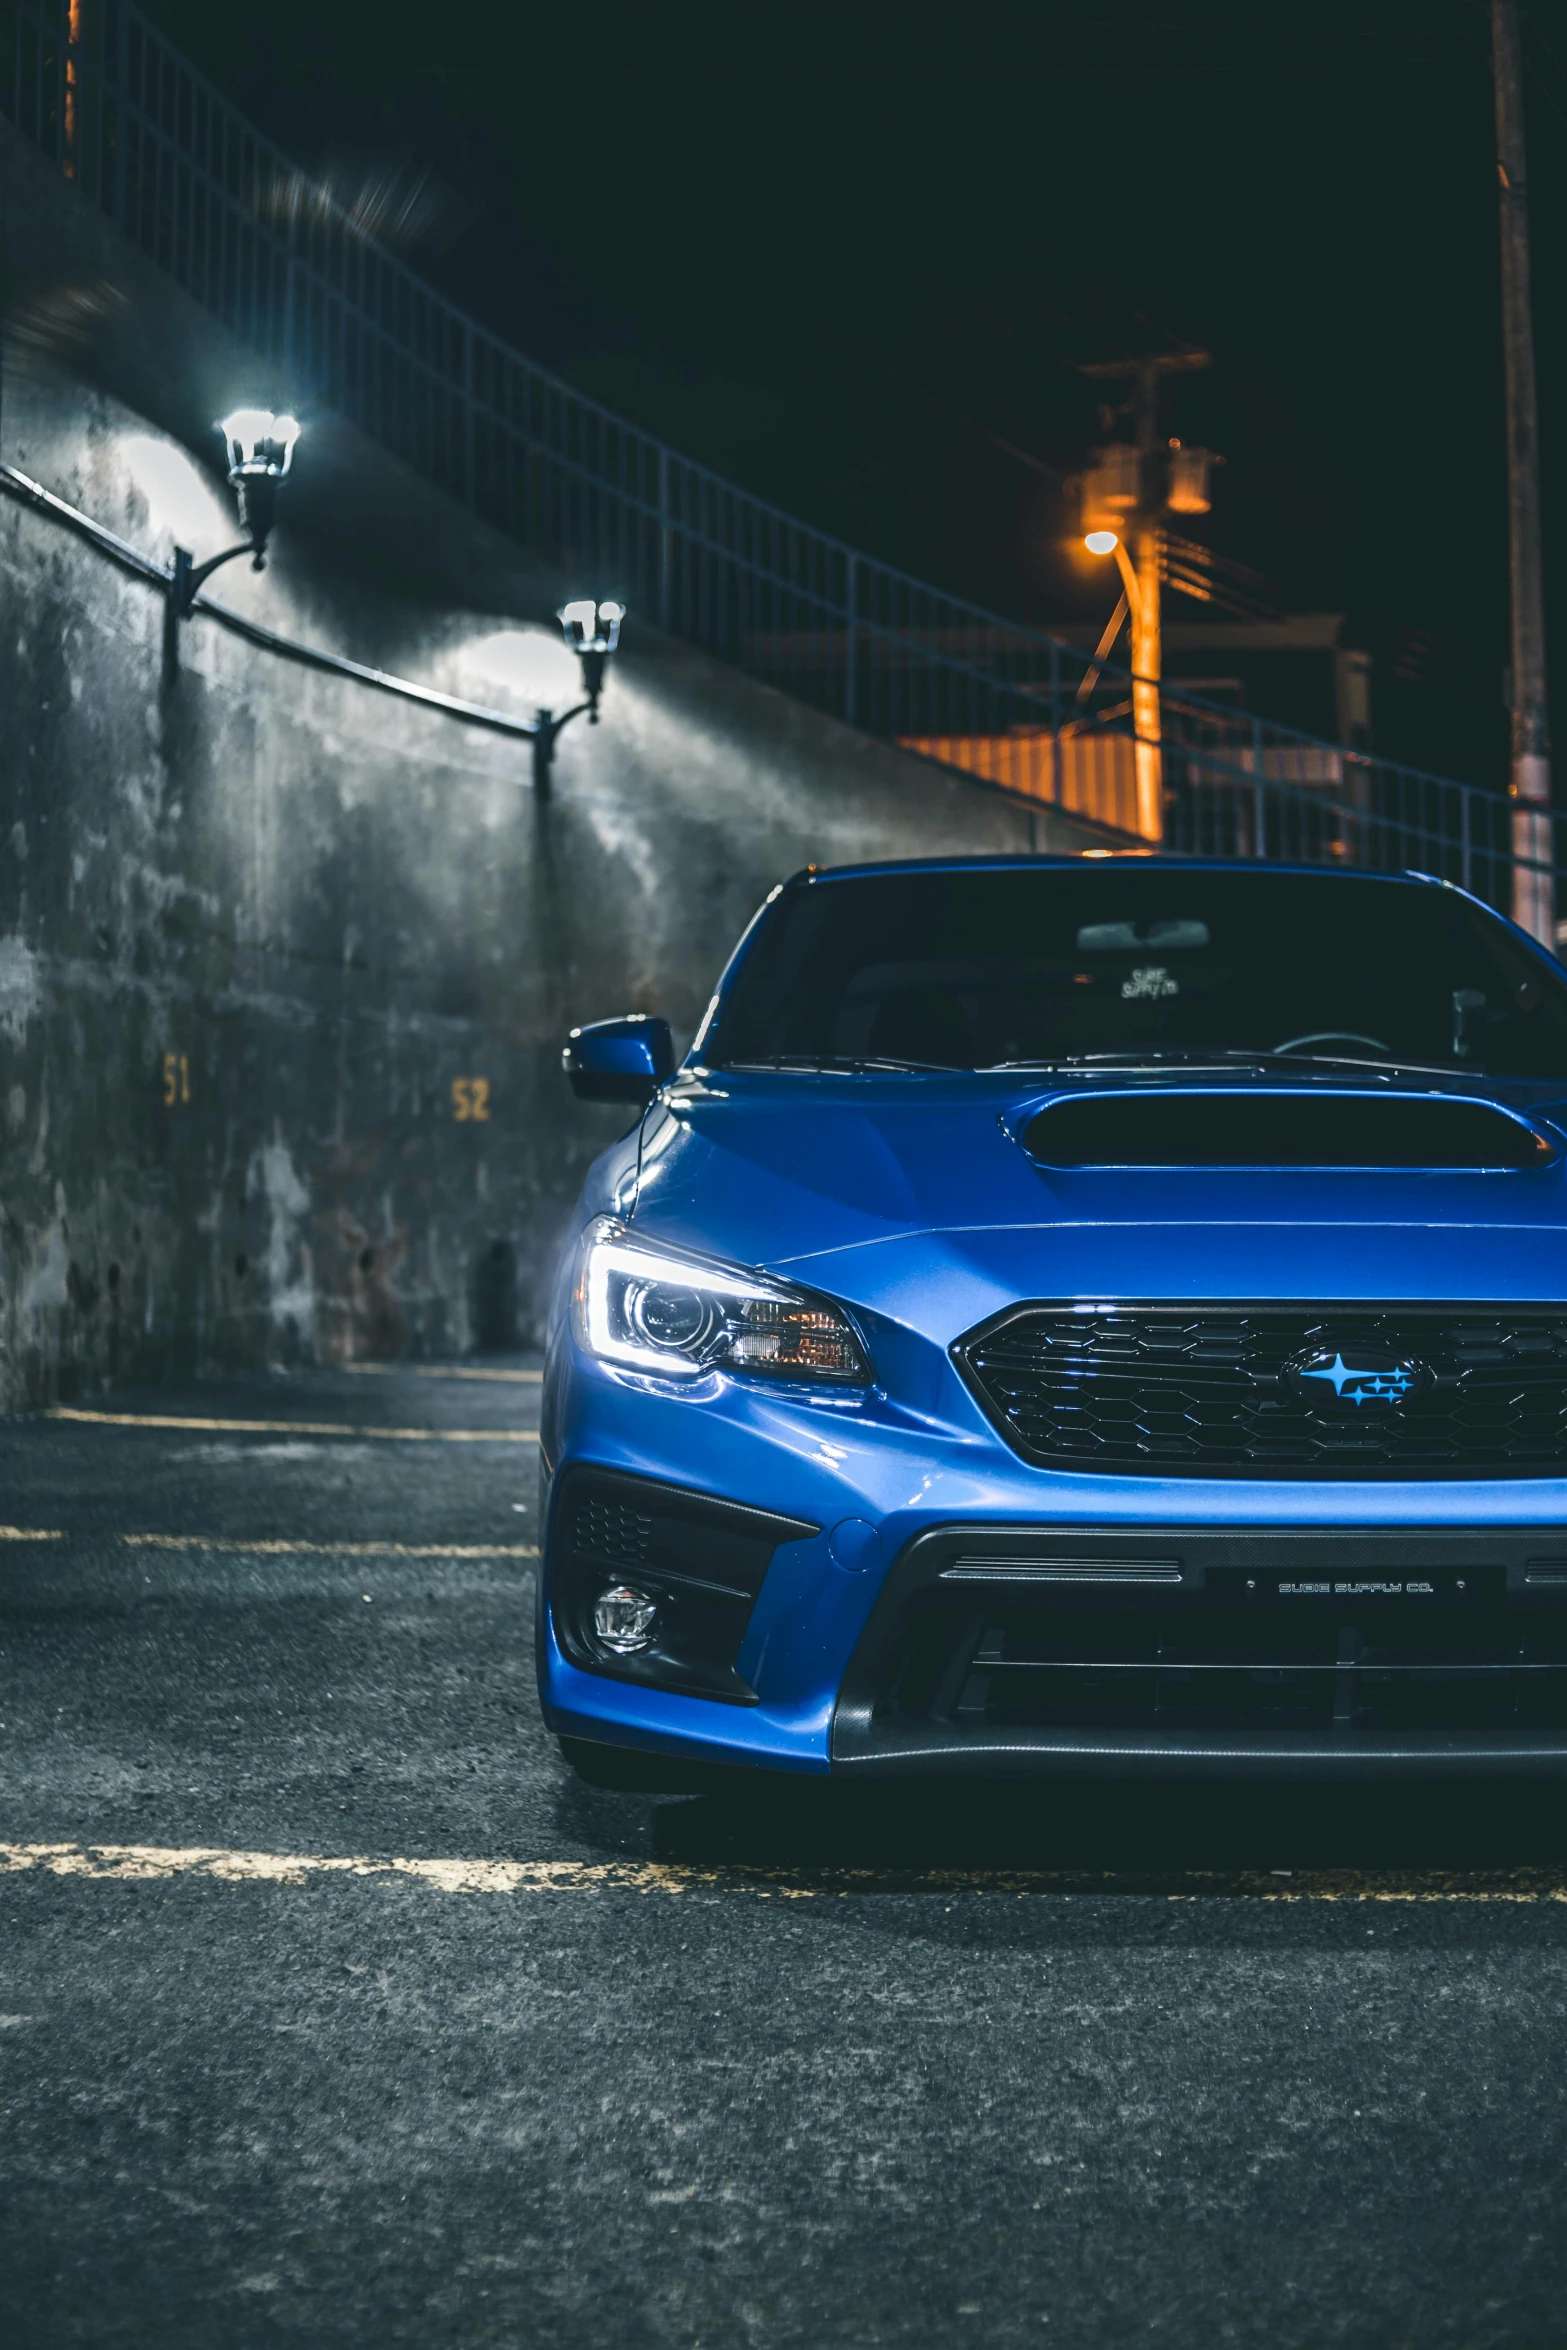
[(1534, 874), (1145, 530)]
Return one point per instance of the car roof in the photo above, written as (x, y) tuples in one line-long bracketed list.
[(812, 874)]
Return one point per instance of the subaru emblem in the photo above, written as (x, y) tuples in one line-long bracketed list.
[(1365, 1378)]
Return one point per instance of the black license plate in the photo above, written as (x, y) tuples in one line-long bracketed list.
[(1408, 1591)]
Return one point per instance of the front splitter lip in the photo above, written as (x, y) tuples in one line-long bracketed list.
[(1081, 1755)]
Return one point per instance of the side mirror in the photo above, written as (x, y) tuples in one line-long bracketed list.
[(620, 1060)]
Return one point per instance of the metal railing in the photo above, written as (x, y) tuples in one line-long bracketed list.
[(121, 114), (27, 492)]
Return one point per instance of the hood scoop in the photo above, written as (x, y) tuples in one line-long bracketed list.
[(1169, 1127)]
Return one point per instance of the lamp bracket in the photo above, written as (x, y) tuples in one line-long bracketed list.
[(187, 578)]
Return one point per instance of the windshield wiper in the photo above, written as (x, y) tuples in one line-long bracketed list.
[(1347, 1061), (1236, 1056), (819, 1064), (1192, 1057), (1213, 1056)]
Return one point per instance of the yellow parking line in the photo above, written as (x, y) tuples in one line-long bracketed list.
[(267, 1546), (296, 1428), (437, 1371), (121, 1863)]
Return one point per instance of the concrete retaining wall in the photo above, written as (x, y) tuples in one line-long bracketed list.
[(285, 964)]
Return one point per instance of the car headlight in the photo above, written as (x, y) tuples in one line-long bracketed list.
[(657, 1308)]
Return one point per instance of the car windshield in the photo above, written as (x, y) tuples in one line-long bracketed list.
[(978, 967)]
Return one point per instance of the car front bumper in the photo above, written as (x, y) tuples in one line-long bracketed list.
[(927, 1603)]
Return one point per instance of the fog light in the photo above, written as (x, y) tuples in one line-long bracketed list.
[(624, 1619)]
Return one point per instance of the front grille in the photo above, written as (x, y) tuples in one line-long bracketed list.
[(1196, 1390)]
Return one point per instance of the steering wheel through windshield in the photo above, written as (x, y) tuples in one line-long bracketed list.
[(1295, 1044)]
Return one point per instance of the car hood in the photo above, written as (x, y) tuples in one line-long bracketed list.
[(914, 1197)]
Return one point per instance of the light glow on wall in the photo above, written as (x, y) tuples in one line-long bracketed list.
[(184, 504), (518, 668)]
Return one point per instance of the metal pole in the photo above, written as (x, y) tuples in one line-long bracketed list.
[(1055, 722), (1147, 632), (1466, 869), (1534, 879), (122, 127), (665, 539), (1147, 669), (1147, 549), (288, 304), (470, 482), (850, 638), (70, 111)]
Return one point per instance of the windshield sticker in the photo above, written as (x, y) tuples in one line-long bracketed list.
[(1149, 979)]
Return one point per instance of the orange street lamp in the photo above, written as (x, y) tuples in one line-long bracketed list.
[(1131, 483), (1141, 582), (1108, 542)]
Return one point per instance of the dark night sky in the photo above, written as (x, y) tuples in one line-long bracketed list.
[(842, 253)]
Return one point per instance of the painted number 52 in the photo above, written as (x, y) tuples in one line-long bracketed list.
[(470, 1099)]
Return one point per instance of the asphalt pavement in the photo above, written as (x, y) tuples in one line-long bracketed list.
[(333, 2011)]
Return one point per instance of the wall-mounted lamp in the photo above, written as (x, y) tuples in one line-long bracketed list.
[(592, 632), (260, 450)]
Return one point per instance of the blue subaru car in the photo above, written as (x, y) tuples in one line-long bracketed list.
[(1067, 1316)]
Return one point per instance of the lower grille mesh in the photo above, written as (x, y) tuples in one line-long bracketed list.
[(1397, 1668), (1014, 1646), (1200, 1390), (609, 1530)]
